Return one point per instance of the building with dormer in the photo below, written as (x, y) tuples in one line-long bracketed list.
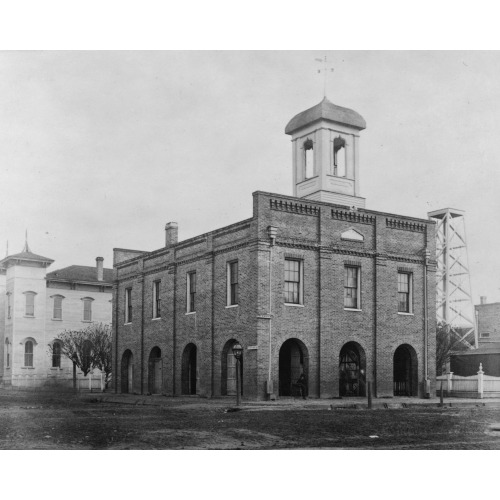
[(35, 306), (313, 284)]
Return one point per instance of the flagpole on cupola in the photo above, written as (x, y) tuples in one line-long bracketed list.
[(325, 72), (26, 247)]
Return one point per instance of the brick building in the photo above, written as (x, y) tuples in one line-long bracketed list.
[(35, 306), (314, 284), (488, 350)]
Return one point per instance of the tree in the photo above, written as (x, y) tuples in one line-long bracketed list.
[(101, 338), (88, 349), (447, 343)]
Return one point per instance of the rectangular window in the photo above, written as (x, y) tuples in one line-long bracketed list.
[(56, 355), (352, 288), (30, 304), (8, 306), (128, 305), (7, 345), (485, 335), (232, 283), (156, 299), (191, 291), (87, 310), (404, 292), (293, 281), (57, 307)]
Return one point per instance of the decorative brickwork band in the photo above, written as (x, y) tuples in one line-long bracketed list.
[(405, 225), (352, 216), (296, 208)]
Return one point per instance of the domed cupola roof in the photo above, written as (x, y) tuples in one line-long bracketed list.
[(328, 111)]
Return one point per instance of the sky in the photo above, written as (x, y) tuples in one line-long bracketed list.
[(101, 148)]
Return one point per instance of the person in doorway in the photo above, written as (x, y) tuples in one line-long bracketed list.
[(302, 385)]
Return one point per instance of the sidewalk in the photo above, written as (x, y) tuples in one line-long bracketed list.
[(287, 403)]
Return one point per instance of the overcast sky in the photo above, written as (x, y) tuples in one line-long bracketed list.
[(101, 149)]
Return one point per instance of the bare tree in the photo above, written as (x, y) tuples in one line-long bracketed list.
[(87, 349), (447, 343), (101, 338)]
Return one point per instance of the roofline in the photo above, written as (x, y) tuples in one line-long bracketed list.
[(363, 210), (323, 119), (82, 282)]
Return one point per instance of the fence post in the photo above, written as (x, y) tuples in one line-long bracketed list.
[(480, 381), (449, 383), (369, 395)]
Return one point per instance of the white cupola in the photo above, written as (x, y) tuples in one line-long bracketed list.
[(325, 143)]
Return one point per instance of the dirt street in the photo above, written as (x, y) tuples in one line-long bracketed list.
[(30, 420)]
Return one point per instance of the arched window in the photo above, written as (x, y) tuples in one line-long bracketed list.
[(30, 303), (57, 314), (56, 354), (28, 353), (339, 157), (87, 308), (309, 158)]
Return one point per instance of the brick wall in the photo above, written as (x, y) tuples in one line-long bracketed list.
[(311, 232)]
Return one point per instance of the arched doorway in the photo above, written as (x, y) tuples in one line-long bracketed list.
[(189, 370), (127, 372), (352, 370), (293, 361), (405, 371), (155, 371), (228, 370)]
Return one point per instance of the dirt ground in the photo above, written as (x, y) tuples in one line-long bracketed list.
[(31, 420)]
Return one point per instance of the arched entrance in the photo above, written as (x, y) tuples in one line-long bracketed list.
[(155, 371), (405, 371), (293, 361), (127, 372), (352, 370), (228, 372), (189, 370)]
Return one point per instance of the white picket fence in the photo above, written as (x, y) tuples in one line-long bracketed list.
[(475, 386)]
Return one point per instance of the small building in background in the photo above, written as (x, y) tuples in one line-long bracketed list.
[(36, 306), (467, 363)]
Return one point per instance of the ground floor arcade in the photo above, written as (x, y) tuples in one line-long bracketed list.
[(344, 374)]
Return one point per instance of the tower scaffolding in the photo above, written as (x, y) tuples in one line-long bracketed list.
[(454, 305)]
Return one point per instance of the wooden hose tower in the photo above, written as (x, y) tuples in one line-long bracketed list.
[(454, 306)]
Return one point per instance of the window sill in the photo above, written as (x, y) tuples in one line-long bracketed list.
[(156, 319), (59, 369), (232, 305), (129, 323), (405, 314), (352, 309), (27, 367), (289, 304), (189, 313), (86, 321), (31, 317), (56, 319)]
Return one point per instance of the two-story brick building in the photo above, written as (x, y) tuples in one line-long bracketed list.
[(313, 283), (36, 306)]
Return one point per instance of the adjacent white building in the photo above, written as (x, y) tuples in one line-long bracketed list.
[(36, 306)]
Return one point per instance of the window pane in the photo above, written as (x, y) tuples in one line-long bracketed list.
[(30, 304), (87, 310), (28, 353)]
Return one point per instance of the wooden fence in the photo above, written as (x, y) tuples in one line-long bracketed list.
[(475, 386)]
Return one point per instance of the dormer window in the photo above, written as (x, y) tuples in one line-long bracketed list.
[(339, 157), (309, 158)]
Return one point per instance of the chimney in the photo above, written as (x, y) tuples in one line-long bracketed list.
[(482, 299), (171, 230), (99, 266)]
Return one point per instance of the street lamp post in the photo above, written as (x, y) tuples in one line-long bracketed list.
[(237, 351)]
